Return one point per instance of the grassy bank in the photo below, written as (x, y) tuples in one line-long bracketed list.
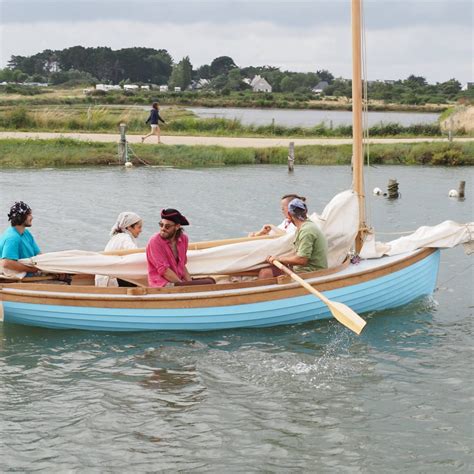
[(179, 122), (66, 152), (247, 99)]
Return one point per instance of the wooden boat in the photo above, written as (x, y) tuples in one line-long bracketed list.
[(370, 285)]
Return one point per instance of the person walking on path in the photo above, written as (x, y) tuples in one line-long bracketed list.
[(154, 120)]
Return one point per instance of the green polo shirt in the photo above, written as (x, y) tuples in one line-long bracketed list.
[(311, 243)]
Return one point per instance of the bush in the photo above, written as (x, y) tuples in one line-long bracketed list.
[(98, 93), (17, 118), (23, 90), (451, 157)]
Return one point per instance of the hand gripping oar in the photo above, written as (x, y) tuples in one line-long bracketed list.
[(340, 311)]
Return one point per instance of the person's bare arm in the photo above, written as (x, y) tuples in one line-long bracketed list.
[(19, 267), (171, 276), (265, 230), (289, 259)]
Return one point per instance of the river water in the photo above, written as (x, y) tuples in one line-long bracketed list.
[(303, 398), (310, 118)]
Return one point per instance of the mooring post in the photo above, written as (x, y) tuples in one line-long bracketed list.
[(462, 186), (393, 189), (123, 149), (291, 156)]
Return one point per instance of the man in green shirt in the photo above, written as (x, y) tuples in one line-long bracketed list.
[(310, 245)]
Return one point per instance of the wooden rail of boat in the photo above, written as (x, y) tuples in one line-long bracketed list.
[(202, 296)]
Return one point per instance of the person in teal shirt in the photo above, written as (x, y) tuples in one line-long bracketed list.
[(17, 242)]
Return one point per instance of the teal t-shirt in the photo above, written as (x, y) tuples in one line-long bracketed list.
[(311, 243), (14, 246)]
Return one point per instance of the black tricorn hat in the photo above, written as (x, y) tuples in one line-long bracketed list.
[(174, 216)]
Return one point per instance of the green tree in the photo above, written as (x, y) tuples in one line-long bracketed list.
[(6, 75), (204, 72), (234, 80), (181, 74), (450, 88), (222, 65), (161, 65), (325, 75), (415, 81)]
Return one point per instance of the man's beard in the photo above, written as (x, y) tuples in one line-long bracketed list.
[(171, 237)]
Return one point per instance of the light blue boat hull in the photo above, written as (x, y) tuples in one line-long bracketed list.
[(380, 293)]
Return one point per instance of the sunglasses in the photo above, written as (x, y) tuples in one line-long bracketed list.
[(166, 226)]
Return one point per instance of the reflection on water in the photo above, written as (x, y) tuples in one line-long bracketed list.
[(278, 399)]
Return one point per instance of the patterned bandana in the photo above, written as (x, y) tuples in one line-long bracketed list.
[(19, 209)]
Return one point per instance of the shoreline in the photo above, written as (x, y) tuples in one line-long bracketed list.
[(77, 150)]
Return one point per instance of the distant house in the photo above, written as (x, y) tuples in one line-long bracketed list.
[(320, 87), (468, 86), (146, 87), (36, 84), (131, 87), (259, 84), (177, 89), (202, 83), (107, 87), (164, 88)]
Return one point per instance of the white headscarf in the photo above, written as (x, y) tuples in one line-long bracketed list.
[(124, 220)]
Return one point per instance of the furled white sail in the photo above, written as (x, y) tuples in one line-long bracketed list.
[(338, 222)]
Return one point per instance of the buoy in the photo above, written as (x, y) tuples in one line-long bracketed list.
[(377, 191), (128, 164), (453, 193)]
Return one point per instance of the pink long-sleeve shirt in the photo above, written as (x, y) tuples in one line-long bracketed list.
[(160, 256)]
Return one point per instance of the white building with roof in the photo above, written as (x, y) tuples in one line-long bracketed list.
[(260, 84)]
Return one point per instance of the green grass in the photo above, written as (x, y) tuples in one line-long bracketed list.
[(179, 121), (62, 152)]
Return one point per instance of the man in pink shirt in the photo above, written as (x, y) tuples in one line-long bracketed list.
[(166, 251)]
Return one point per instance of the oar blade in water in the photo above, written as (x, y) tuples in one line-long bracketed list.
[(347, 316)]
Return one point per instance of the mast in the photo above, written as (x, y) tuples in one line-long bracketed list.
[(357, 148)]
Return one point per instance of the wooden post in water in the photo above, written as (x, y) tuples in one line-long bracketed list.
[(123, 149), (291, 157), (393, 189), (462, 186)]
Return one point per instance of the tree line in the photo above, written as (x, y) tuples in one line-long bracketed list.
[(80, 65)]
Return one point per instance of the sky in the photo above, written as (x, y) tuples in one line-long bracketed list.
[(427, 38)]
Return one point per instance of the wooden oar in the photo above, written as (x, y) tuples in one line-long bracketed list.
[(340, 311)]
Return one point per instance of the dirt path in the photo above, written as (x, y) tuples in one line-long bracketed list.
[(229, 142)]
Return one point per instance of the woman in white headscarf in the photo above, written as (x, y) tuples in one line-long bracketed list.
[(123, 237)]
